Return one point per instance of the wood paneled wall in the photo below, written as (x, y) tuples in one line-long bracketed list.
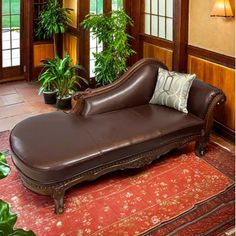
[(221, 77), (71, 46), (41, 52), (162, 54)]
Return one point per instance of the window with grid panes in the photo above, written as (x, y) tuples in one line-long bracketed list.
[(158, 18), (10, 33)]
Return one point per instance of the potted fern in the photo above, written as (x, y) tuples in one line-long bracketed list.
[(110, 30), (54, 19)]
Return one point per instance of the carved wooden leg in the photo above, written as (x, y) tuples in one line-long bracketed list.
[(200, 146), (58, 196)]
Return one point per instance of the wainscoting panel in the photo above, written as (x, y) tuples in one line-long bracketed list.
[(162, 54), (71, 46), (221, 77), (42, 51)]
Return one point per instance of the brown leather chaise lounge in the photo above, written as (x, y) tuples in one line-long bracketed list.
[(110, 128)]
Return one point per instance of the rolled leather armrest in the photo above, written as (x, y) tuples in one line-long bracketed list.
[(134, 88), (203, 97)]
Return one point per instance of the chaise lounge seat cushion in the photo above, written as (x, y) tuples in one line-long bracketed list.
[(53, 147)]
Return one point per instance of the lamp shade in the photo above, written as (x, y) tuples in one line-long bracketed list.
[(222, 8)]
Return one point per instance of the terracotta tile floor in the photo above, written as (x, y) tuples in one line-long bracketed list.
[(19, 100)]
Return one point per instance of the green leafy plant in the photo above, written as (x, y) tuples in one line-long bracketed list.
[(45, 78), (110, 30), (4, 167), (53, 20), (62, 74), (7, 218)]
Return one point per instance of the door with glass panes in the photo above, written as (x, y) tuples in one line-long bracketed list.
[(11, 39)]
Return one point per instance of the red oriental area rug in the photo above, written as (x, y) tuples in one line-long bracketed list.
[(128, 202)]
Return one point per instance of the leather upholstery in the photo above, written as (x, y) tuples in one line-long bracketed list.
[(200, 97), (134, 88), (57, 146), (107, 124)]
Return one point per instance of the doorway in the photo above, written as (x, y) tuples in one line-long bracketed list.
[(11, 60)]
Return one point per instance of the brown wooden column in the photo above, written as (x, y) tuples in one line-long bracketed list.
[(106, 6), (133, 9), (83, 53), (181, 10)]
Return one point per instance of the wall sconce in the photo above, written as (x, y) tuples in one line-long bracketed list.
[(222, 8)]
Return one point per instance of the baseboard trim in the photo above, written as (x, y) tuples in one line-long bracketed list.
[(224, 131)]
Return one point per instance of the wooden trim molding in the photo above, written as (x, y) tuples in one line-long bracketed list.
[(73, 31), (157, 41), (224, 131), (212, 56)]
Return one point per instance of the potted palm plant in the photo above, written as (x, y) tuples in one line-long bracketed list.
[(64, 77), (47, 83), (54, 19), (110, 30)]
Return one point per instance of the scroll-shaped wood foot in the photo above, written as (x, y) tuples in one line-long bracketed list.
[(58, 196), (200, 148)]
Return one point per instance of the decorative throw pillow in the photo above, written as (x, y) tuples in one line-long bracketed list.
[(172, 89)]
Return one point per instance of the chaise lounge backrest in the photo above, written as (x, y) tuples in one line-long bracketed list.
[(136, 87)]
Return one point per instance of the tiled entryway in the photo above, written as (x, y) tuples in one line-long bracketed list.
[(19, 100)]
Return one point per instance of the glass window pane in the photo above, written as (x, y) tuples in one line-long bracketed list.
[(6, 44), (92, 50), (162, 27), (147, 6), (15, 6), (93, 42), (15, 43), (6, 39), (15, 61), (16, 53), (6, 58), (154, 25), (6, 22), (117, 4), (93, 6), (169, 29), (99, 6), (162, 7), (169, 8), (15, 21), (147, 24), (92, 67), (15, 34), (5, 7), (6, 35), (154, 7), (6, 63)]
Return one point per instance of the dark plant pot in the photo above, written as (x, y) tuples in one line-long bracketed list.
[(50, 97), (64, 103)]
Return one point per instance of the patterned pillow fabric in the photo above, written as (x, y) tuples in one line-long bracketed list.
[(172, 89)]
